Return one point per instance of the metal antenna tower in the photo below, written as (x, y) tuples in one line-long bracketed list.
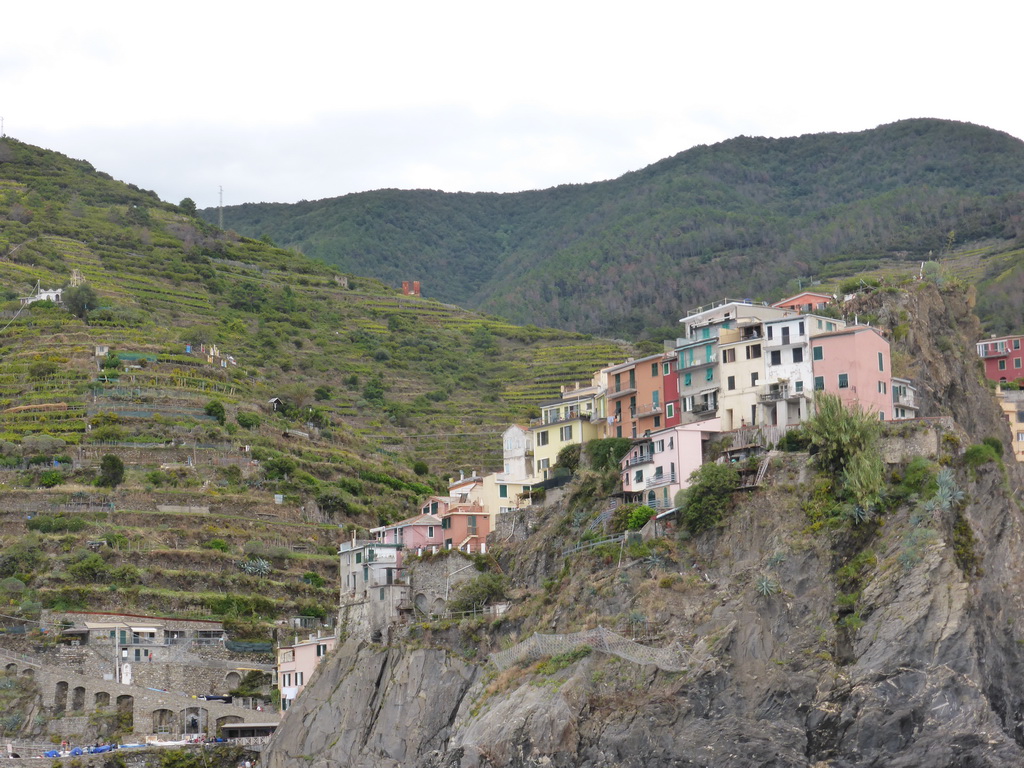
[(220, 210)]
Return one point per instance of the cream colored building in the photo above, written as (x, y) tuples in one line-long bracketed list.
[(576, 417), (1012, 403)]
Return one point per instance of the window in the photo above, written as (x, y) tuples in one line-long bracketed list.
[(1002, 365), (446, 523), (1016, 362), (705, 333), (800, 328), (638, 476), (321, 649), (709, 374), (770, 329), (430, 531), (1020, 437), (881, 362), (817, 353), (618, 431), (670, 410), (844, 381), (359, 557), (819, 325), (298, 675), (502, 492), (753, 379), (542, 438), (687, 379), (654, 370), (730, 383), (753, 351), (657, 422), (776, 357), (882, 388), (658, 446), (830, 326), (728, 355), (798, 354), (819, 383), (666, 369), (366, 573), (798, 386), (565, 433), (1016, 343), (881, 415), (543, 463), (632, 378)]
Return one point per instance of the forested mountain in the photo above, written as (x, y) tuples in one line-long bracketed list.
[(747, 217)]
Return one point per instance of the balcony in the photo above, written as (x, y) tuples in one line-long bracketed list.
[(775, 393), (658, 480), (648, 409), (614, 394), (906, 400), (550, 418), (704, 410), (987, 352), (706, 360), (643, 458)]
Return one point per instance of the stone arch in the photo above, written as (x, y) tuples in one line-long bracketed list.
[(11, 669), (232, 680), (165, 721), (101, 699), (651, 498), (195, 720), (60, 697), (437, 607), (421, 603), (28, 672), (227, 720), (78, 699), (126, 711)]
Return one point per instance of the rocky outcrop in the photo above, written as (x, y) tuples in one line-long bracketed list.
[(895, 642)]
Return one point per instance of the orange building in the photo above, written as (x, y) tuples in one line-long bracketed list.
[(635, 396)]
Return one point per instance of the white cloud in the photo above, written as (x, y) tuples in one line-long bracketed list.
[(319, 99)]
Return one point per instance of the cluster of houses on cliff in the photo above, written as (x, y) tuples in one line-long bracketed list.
[(739, 367), (1003, 358)]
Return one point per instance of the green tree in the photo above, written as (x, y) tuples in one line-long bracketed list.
[(188, 206), (709, 496), (80, 300), (111, 471), (215, 408)]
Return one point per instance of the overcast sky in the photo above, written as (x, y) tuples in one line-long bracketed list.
[(305, 100)]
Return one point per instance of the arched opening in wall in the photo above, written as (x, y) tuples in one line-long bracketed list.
[(195, 720), (60, 698), (232, 680), (165, 722), (227, 720), (126, 712), (78, 699), (651, 498), (421, 603), (28, 672), (437, 607), (11, 669), (102, 699)]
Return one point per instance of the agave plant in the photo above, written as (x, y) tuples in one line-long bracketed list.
[(256, 566), (766, 587), (950, 493)]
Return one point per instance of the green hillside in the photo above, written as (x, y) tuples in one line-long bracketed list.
[(747, 217), (173, 342)]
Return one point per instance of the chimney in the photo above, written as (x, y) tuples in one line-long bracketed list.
[(405, 287), (415, 287)]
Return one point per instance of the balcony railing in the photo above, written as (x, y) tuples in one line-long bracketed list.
[(572, 415), (703, 409), (773, 394), (663, 479), (706, 360), (997, 352), (648, 409), (643, 458), (906, 400)]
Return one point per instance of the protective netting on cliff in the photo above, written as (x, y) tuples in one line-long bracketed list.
[(674, 658)]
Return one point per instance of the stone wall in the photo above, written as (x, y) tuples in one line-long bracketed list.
[(914, 437), (436, 578)]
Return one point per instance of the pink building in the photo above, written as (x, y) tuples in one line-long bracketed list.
[(443, 522), (854, 364), (660, 464), (1003, 358), (420, 532), (296, 664)]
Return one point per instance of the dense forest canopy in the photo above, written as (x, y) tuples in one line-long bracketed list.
[(750, 217)]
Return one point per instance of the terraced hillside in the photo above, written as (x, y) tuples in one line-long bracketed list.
[(261, 404)]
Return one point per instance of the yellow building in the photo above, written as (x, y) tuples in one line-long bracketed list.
[(1012, 403), (575, 417)]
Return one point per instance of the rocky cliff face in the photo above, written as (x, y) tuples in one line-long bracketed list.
[(897, 642)]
